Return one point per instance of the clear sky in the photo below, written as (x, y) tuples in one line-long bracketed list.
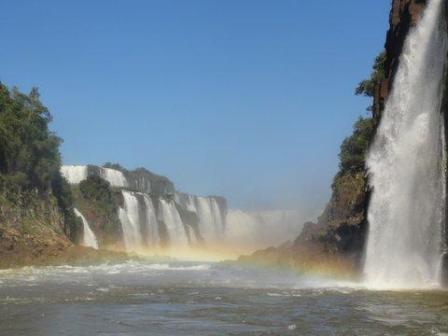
[(249, 99)]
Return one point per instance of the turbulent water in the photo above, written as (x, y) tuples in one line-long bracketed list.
[(205, 299), (406, 165), (89, 238)]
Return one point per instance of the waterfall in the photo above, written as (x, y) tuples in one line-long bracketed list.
[(74, 174), (171, 218), (190, 204), (89, 238), (406, 165), (217, 218), (130, 220), (115, 177), (152, 226), (206, 220)]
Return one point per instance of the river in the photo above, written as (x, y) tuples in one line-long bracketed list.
[(143, 298)]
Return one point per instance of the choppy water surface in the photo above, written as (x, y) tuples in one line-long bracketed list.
[(205, 299)]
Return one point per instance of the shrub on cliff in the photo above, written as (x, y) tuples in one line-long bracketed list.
[(94, 188), (367, 87), (95, 197), (354, 148)]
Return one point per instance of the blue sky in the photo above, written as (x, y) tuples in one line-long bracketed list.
[(249, 99)]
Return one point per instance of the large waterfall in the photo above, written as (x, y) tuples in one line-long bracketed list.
[(89, 238), (181, 222), (406, 163)]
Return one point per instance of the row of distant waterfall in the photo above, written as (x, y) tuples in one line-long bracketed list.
[(182, 220)]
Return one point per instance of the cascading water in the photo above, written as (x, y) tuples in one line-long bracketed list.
[(190, 204), (151, 224), (207, 221), (89, 238), (217, 218), (74, 174), (130, 220), (171, 218), (406, 165), (115, 177)]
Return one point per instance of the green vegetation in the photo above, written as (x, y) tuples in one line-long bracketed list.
[(29, 155), (99, 202), (355, 147), (367, 87), (95, 189), (29, 152)]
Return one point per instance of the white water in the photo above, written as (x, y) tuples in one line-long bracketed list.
[(190, 204), (218, 224), (74, 174), (115, 177), (89, 238), (152, 225), (130, 221), (207, 224), (176, 230), (406, 166)]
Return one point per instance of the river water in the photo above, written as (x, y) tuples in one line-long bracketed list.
[(138, 298)]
